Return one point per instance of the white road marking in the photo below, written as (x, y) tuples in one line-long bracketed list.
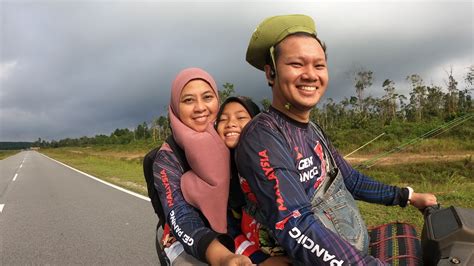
[(101, 181), (21, 165), (1, 207), (14, 178)]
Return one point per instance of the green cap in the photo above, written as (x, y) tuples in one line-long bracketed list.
[(273, 30)]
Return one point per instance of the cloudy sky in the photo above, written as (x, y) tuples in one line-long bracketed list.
[(81, 68)]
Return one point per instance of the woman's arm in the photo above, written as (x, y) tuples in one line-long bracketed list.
[(186, 223)]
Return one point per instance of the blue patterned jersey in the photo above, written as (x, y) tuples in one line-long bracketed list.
[(186, 223), (284, 164)]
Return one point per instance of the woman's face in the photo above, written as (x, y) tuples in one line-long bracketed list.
[(233, 119), (198, 105)]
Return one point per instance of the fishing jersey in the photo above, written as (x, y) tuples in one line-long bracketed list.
[(283, 163), (184, 222)]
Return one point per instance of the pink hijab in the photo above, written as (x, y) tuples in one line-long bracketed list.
[(206, 185)]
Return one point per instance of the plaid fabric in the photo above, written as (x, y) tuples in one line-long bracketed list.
[(396, 244)]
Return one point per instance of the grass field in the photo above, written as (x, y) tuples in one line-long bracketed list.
[(7, 153), (120, 168), (452, 180)]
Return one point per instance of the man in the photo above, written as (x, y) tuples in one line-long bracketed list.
[(300, 187)]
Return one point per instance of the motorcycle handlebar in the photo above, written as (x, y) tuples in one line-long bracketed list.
[(430, 209)]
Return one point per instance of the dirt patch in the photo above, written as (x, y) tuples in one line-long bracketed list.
[(407, 158), (129, 185), (118, 155), (132, 156)]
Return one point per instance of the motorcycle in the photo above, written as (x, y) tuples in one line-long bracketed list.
[(447, 237)]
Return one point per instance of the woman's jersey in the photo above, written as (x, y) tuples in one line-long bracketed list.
[(186, 223), (283, 163)]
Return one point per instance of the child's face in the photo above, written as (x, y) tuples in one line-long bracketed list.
[(231, 122)]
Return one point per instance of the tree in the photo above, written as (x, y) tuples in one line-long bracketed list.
[(37, 143), (163, 124), (330, 114), (362, 80), (469, 77), (122, 136), (142, 132), (154, 128), (102, 139), (434, 101), (403, 107), (465, 102), (389, 101), (452, 96), (226, 92), (265, 102), (417, 97)]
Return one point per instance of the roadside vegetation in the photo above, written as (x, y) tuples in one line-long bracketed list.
[(112, 164), (7, 153), (451, 181)]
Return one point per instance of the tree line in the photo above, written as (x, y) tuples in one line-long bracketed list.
[(424, 104)]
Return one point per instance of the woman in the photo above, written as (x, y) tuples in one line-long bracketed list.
[(233, 115), (194, 201)]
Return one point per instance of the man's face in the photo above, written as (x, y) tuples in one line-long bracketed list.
[(302, 75)]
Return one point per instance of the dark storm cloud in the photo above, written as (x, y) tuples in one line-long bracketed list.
[(76, 68), (404, 39)]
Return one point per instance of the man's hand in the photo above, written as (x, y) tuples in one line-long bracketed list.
[(423, 200)]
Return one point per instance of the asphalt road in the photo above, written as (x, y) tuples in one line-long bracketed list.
[(51, 214)]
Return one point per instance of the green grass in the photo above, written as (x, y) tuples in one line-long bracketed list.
[(135, 146), (455, 139), (123, 171), (386, 143), (7, 153), (451, 181)]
